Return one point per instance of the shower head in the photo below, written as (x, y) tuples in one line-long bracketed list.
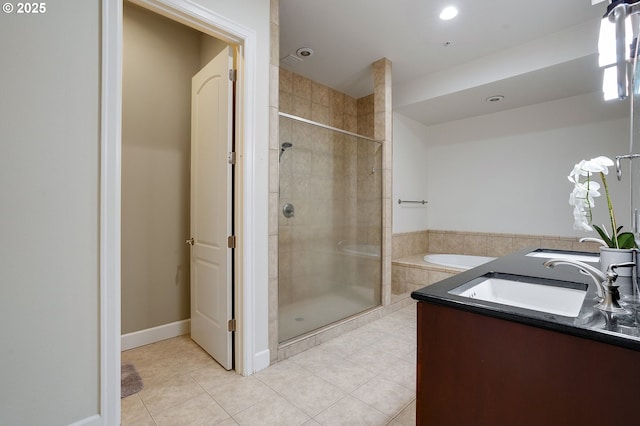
[(285, 146)]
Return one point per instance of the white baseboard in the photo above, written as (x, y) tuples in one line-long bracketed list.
[(155, 334), (261, 360), (89, 421)]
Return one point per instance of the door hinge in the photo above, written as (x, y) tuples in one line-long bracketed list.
[(233, 75), (231, 325), (232, 158), (231, 241)]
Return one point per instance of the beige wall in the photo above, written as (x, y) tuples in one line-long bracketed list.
[(49, 187), (160, 57)]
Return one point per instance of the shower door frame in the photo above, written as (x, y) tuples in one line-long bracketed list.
[(380, 301)]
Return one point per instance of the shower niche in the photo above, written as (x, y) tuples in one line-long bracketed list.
[(329, 226)]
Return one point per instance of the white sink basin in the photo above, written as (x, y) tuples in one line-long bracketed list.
[(565, 255), (553, 299)]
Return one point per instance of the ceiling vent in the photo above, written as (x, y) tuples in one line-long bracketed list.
[(290, 60)]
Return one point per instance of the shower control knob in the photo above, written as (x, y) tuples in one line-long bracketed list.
[(288, 210)]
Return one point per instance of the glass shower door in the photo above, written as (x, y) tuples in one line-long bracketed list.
[(329, 228)]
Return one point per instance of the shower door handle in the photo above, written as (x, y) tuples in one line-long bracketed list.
[(190, 241)]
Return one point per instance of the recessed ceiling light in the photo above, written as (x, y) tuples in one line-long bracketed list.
[(449, 12), (304, 52), (494, 98)]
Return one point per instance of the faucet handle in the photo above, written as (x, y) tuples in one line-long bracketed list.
[(611, 270)]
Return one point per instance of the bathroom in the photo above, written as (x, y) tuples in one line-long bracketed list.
[(508, 151), (66, 270), (432, 160)]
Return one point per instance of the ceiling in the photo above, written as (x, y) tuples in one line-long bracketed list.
[(527, 51)]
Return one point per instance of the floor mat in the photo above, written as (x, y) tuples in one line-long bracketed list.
[(130, 380)]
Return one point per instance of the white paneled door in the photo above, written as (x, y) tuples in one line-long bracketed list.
[(211, 208)]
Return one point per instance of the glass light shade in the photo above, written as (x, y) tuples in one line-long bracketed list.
[(607, 57), (610, 83), (607, 43)]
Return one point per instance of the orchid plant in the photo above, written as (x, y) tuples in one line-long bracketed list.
[(582, 200)]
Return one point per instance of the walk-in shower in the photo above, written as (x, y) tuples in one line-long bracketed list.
[(330, 179)]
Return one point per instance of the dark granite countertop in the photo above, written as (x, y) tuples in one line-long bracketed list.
[(590, 323)]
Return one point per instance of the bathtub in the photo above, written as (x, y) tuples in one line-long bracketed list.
[(458, 261), (368, 250)]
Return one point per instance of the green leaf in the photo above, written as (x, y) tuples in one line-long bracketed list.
[(604, 237), (626, 240)]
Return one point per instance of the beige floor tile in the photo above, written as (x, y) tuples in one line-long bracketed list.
[(396, 345), (346, 375), (408, 333), (373, 360), (168, 357), (315, 359), (273, 411), (160, 394), (350, 411), (388, 324), (411, 357), (402, 373), (238, 393), (212, 375), (312, 395), (353, 341), (410, 313), (407, 417), (199, 411), (280, 376), (364, 377), (133, 412), (386, 396)]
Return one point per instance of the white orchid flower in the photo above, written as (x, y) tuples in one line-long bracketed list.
[(582, 198), (598, 165), (578, 170), (581, 221), (583, 194)]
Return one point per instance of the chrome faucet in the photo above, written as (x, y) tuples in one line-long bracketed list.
[(605, 282)]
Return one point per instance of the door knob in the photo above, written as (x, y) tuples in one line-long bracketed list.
[(190, 241)]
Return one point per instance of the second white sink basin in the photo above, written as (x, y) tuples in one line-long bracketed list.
[(556, 254), (528, 294)]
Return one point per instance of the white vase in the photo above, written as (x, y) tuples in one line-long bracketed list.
[(609, 256)]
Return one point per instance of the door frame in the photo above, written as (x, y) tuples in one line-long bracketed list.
[(244, 40)]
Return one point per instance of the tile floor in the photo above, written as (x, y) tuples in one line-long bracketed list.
[(364, 377)]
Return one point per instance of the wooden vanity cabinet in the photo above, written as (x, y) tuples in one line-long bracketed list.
[(477, 370)]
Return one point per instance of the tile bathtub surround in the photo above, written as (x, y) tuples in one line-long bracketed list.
[(410, 272), (410, 243), (478, 243), (496, 245), (363, 377)]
